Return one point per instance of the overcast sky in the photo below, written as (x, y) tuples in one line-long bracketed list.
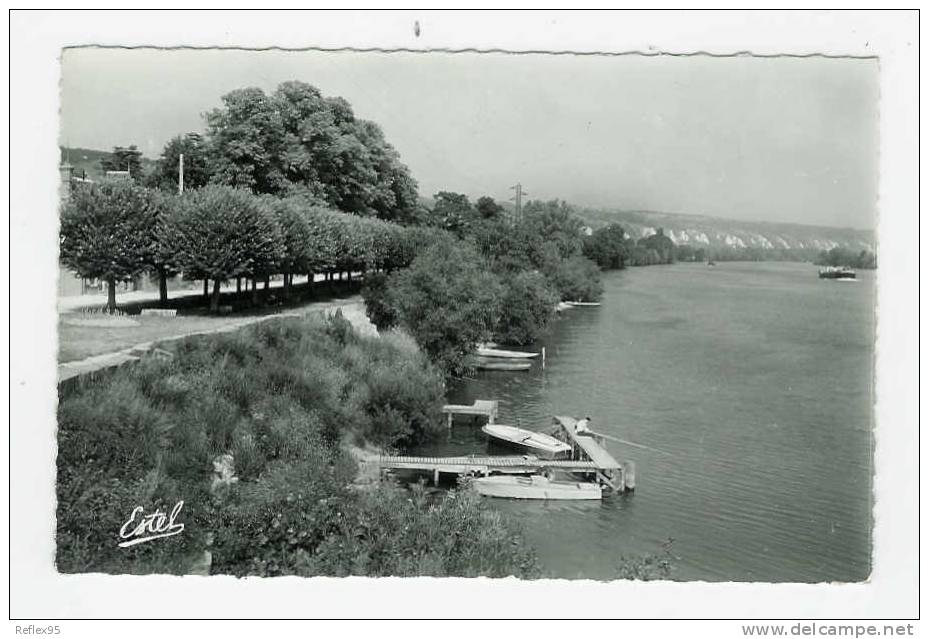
[(778, 139)]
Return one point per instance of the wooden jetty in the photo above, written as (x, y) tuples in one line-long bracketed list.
[(588, 458), (480, 408), (475, 465), (590, 446)]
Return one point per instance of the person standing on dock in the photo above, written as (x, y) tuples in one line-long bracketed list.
[(581, 426)]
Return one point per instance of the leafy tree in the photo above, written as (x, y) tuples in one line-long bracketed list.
[(107, 230), (297, 140), (161, 260), (504, 245), (606, 246), (527, 306), (453, 211), (297, 250), (661, 244), (576, 279), (197, 169), (551, 222), (841, 256), (246, 138), (124, 159), (220, 233), (447, 301), (488, 208)]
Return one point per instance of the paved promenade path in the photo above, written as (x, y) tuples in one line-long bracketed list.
[(352, 309)]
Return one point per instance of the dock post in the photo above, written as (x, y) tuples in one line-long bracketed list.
[(449, 421), (435, 477), (629, 475), (543, 357)]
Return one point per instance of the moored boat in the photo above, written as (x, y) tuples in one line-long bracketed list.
[(494, 364), (540, 444), (485, 350), (535, 487), (583, 303)]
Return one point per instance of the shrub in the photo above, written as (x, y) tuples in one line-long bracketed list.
[(527, 307), (378, 304), (447, 301), (576, 279), (282, 397)]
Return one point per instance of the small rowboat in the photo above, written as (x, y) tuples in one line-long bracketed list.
[(540, 444), (562, 306), (484, 350), (535, 487), (583, 303), (492, 364)]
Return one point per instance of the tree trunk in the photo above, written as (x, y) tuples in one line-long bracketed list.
[(286, 286), (214, 301), (349, 277), (254, 291), (162, 286), (267, 283), (206, 288), (111, 294), (238, 286)]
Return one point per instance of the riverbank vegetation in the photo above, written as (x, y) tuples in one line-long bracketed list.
[(284, 400), (485, 276), (253, 430), (839, 256)]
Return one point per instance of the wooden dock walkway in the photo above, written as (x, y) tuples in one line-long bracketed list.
[(479, 464), (590, 445), (588, 456), (620, 476)]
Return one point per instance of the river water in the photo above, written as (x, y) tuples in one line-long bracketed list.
[(755, 382)]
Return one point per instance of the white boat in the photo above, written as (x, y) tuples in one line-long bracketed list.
[(583, 303), (535, 487), (485, 350), (494, 364), (539, 443), (562, 306)]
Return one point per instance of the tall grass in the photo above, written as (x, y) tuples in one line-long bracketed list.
[(285, 398)]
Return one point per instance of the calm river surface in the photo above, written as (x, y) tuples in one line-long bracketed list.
[(755, 377)]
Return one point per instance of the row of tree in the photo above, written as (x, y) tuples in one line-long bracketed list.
[(611, 248), (839, 256), (294, 141), (116, 229)]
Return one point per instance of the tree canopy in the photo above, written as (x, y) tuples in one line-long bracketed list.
[(607, 247), (297, 140), (197, 167), (220, 233), (107, 231), (447, 301)]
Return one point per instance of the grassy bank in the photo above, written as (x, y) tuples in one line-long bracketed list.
[(285, 399)]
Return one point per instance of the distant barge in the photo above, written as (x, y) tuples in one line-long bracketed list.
[(837, 273)]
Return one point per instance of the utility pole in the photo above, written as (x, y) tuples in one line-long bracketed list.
[(519, 200), (180, 174)]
